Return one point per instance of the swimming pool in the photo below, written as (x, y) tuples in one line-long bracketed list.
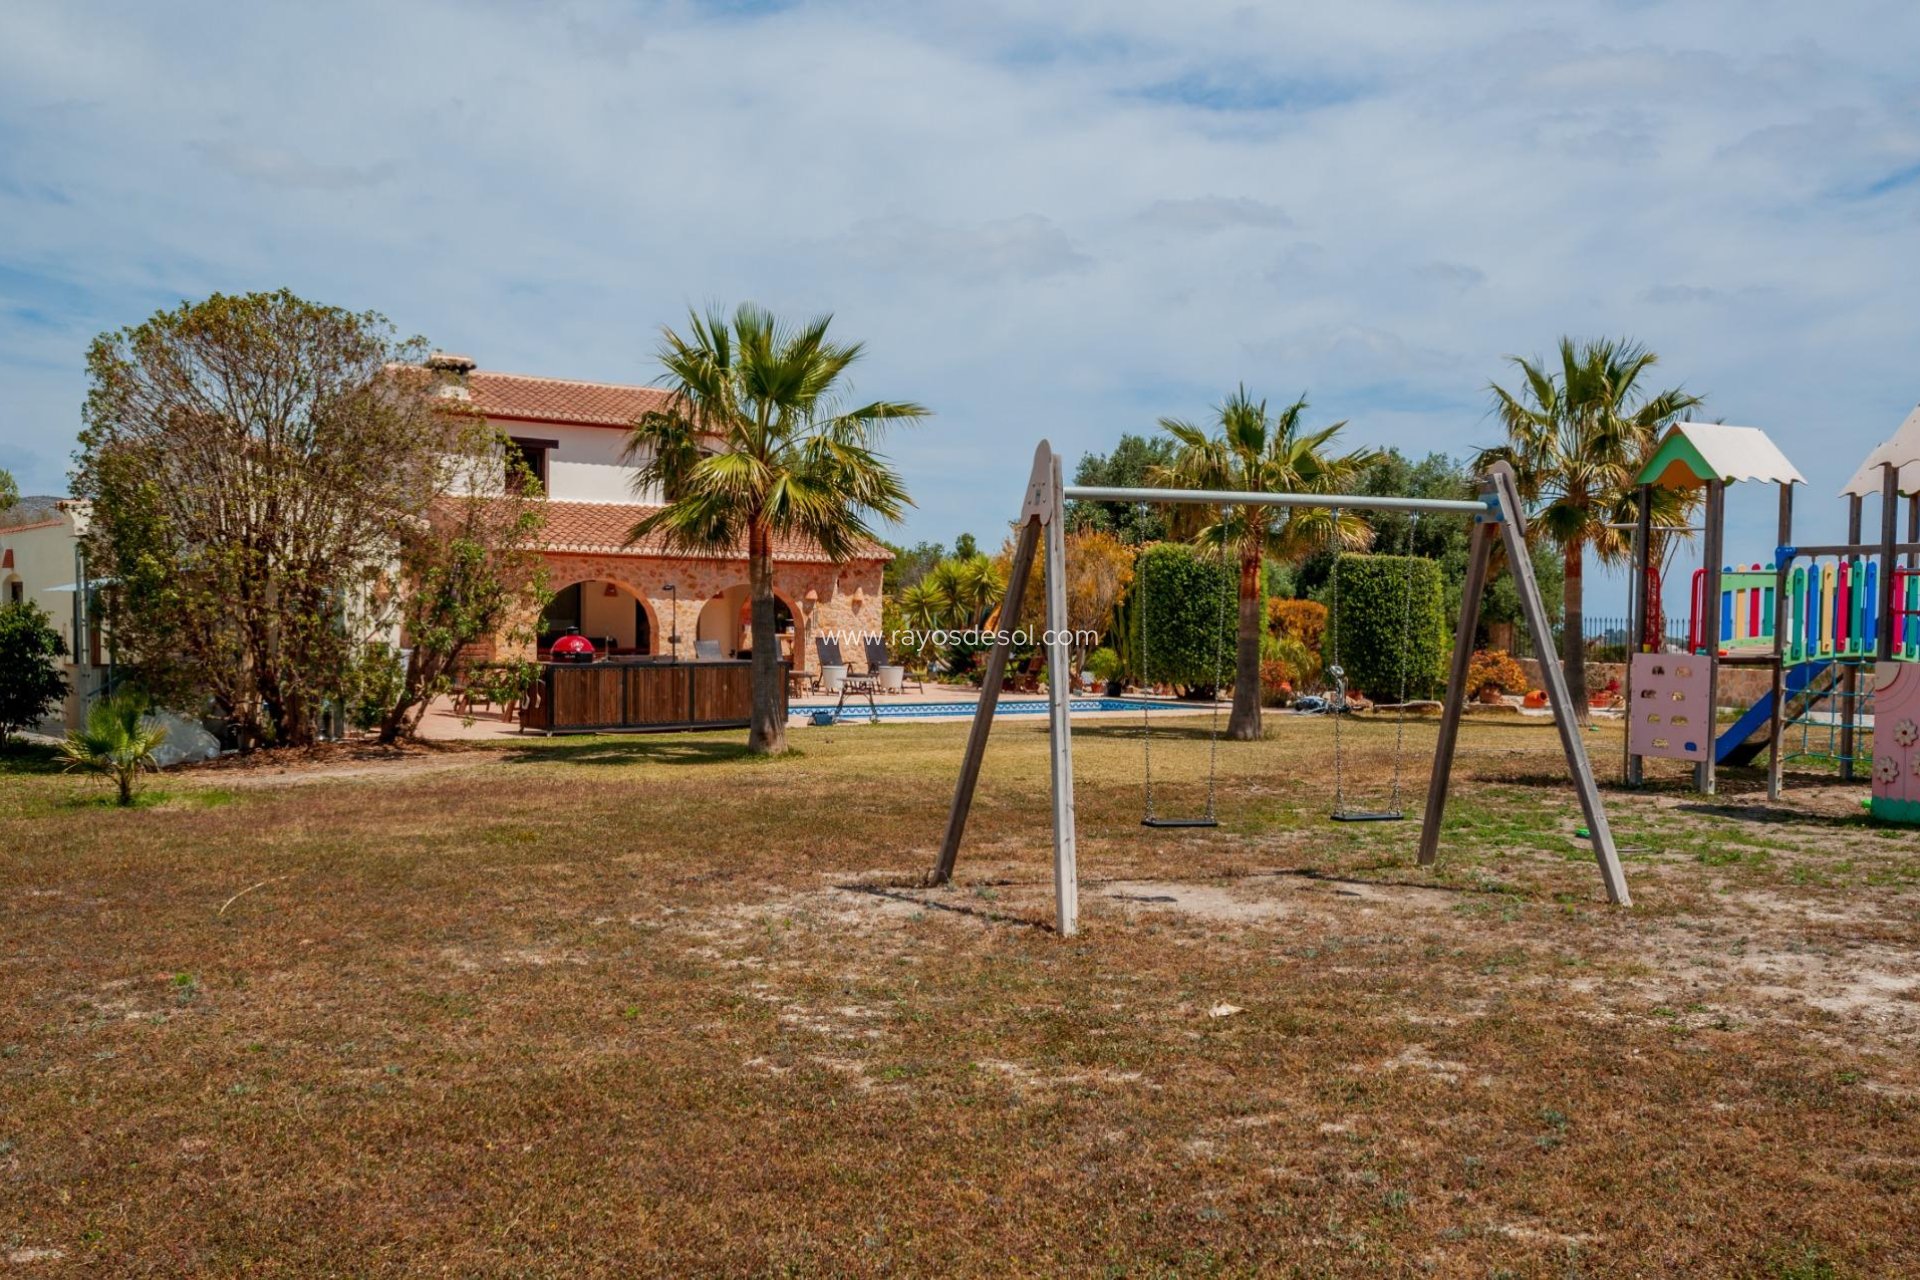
[(857, 709)]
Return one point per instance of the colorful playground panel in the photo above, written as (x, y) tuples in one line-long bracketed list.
[(1832, 610), (1670, 717), (1896, 762)]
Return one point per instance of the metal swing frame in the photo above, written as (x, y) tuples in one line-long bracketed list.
[(1498, 516)]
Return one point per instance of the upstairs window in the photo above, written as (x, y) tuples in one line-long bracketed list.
[(533, 455)]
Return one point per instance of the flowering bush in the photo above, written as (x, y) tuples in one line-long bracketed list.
[(1303, 620), (1495, 669)]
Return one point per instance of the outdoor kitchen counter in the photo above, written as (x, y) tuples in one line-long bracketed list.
[(615, 696)]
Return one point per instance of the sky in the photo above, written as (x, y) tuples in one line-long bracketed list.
[(1060, 221)]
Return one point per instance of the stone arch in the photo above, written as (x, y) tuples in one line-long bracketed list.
[(581, 576), (785, 600)]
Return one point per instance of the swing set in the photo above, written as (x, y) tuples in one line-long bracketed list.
[(1497, 516), (1339, 705)]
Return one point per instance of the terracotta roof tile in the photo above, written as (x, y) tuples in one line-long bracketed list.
[(529, 399), (602, 528)]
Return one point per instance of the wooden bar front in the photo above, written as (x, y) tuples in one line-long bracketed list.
[(642, 697)]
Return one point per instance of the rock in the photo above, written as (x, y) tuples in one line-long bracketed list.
[(186, 740)]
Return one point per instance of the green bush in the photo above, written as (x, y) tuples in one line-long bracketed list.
[(1382, 637), (31, 682), (1181, 600)]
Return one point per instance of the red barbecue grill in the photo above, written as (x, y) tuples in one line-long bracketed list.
[(573, 647)]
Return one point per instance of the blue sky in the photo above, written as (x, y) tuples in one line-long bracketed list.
[(1060, 220)]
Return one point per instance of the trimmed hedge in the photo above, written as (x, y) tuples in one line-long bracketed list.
[(1183, 599), (1382, 635)]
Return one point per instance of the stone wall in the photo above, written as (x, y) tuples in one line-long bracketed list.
[(1739, 686), (846, 603)]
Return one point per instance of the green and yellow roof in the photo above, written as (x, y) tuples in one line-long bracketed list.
[(1693, 453)]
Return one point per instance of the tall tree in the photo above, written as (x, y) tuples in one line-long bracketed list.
[(753, 445), (1129, 466), (9, 491), (1255, 451), (1577, 435), (255, 465)]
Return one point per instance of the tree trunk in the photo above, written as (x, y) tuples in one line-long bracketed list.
[(768, 734), (1244, 724), (1573, 641)]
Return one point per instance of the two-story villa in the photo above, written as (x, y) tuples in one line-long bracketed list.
[(643, 598)]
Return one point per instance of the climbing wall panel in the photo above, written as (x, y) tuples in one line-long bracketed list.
[(1670, 718)]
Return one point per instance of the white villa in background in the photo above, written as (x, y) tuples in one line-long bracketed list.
[(635, 599), (638, 599), (40, 561)]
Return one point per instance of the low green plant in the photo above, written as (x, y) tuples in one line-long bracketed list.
[(1104, 665), (118, 741)]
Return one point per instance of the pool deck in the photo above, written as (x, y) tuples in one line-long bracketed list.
[(442, 723)]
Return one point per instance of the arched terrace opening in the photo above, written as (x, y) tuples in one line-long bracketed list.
[(726, 620), (612, 614)]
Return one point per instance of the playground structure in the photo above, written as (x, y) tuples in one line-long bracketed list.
[(1498, 517), (1830, 622)]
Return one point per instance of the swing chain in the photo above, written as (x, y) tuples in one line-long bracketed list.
[(1406, 660), (1146, 678), (1219, 655), (1336, 671)]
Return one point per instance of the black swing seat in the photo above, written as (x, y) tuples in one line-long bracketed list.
[(1369, 815), (1179, 822)]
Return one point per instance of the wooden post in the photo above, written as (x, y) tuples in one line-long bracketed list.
[(1782, 615), (1639, 604), (1033, 513), (1498, 486), (1066, 861), (1849, 671), (1913, 530), (1714, 549)]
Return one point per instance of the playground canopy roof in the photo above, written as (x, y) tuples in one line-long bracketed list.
[(1902, 449), (1692, 453)]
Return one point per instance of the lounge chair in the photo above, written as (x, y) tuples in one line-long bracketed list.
[(830, 656), (706, 650), (877, 658)]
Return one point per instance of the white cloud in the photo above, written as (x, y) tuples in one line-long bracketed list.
[(1063, 221)]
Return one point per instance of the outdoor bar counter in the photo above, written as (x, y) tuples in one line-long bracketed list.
[(643, 695)]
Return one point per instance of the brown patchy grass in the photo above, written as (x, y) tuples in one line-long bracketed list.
[(645, 1006)]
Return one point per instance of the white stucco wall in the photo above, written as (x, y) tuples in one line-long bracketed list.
[(587, 465), (604, 615), (43, 558)]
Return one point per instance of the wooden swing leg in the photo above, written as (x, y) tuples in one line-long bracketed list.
[(991, 683)]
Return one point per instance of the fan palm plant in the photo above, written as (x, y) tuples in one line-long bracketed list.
[(753, 445), (118, 741), (1577, 436), (1256, 451)]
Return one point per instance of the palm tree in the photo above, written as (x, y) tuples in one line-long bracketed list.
[(752, 446), (118, 741), (1577, 437), (1258, 452)]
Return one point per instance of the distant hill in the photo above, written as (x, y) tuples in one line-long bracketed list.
[(39, 506)]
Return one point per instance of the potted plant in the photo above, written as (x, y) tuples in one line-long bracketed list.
[(1103, 664), (1493, 673)]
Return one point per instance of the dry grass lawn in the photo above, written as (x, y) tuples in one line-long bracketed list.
[(643, 1006)]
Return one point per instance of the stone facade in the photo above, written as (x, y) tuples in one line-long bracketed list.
[(846, 600)]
